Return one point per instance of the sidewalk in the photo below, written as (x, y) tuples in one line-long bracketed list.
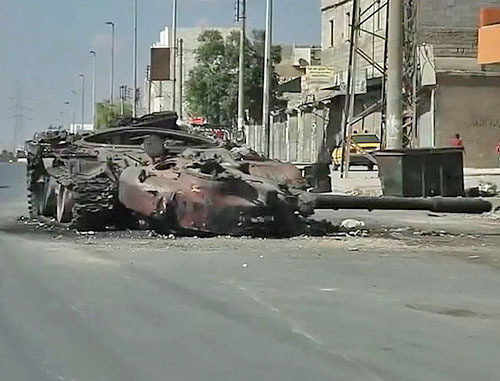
[(363, 182)]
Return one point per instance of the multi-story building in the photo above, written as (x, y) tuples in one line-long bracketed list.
[(161, 92), (456, 93)]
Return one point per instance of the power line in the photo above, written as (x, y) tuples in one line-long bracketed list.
[(19, 117)]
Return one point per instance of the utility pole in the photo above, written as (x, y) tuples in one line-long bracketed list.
[(112, 70), (241, 17), (173, 41), (123, 97), (395, 75), (66, 103), (93, 53), (134, 107), (82, 76), (268, 66), (181, 77), (351, 89), (150, 87), (73, 129), (18, 116)]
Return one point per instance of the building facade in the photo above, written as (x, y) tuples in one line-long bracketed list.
[(455, 93), (161, 91)]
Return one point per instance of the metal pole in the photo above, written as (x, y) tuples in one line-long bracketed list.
[(134, 107), (241, 84), (67, 103), (123, 95), (267, 76), (395, 76), (181, 78), (112, 70), (352, 86), (173, 42), (93, 88), (82, 76), (74, 110), (150, 85)]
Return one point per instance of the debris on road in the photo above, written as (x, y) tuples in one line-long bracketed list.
[(351, 225), (484, 189), (488, 189)]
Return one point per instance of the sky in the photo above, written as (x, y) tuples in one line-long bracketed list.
[(46, 44)]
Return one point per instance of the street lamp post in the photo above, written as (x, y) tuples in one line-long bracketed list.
[(82, 76), (173, 44), (112, 70), (66, 103), (268, 65), (134, 109), (73, 127), (241, 80), (93, 88)]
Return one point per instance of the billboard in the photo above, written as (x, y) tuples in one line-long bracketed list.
[(160, 64), (489, 43), (321, 73)]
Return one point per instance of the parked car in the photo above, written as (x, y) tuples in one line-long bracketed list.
[(362, 146)]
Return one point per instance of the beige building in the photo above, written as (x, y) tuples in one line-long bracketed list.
[(161, 91), (456, 94)]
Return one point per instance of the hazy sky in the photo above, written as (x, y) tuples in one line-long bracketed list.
[(45, 44)]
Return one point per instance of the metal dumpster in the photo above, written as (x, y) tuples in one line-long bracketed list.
[(426, 172)]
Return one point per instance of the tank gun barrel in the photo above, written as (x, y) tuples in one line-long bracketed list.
[(437, 204)]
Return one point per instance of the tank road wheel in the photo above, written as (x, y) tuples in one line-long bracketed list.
[(41, 197), (64, 204), (45, 197)]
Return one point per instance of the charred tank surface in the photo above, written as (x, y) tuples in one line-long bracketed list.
[(173, 180), (165, 119)]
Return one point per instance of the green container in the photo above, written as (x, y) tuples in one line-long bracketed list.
[(422, 172)]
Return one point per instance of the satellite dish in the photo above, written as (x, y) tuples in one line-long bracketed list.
[(303, 62)]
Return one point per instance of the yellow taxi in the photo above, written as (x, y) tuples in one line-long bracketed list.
[(361, 145)]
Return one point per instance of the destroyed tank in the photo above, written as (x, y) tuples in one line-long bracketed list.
[(151, 172)]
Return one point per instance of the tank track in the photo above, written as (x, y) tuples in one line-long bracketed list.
[(30, 183), (94, 201), (32, 169)]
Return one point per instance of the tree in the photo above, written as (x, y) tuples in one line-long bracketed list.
[(107, 113), (212, 87)]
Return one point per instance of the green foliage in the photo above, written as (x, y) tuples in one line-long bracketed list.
[(212, 87), (107, 113)]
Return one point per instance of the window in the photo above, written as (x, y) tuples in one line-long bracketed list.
[(360, 11), (332, 32), (347, 26), (378, 16)]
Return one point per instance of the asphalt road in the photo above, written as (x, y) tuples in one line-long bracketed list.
[(116, 308)]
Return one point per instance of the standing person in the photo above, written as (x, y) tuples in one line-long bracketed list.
[(457, 141), (498, 153)]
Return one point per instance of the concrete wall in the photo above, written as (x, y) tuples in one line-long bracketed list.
[(449, 25), (470, 106), (455, 14), (299, 137), (336, 50)]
